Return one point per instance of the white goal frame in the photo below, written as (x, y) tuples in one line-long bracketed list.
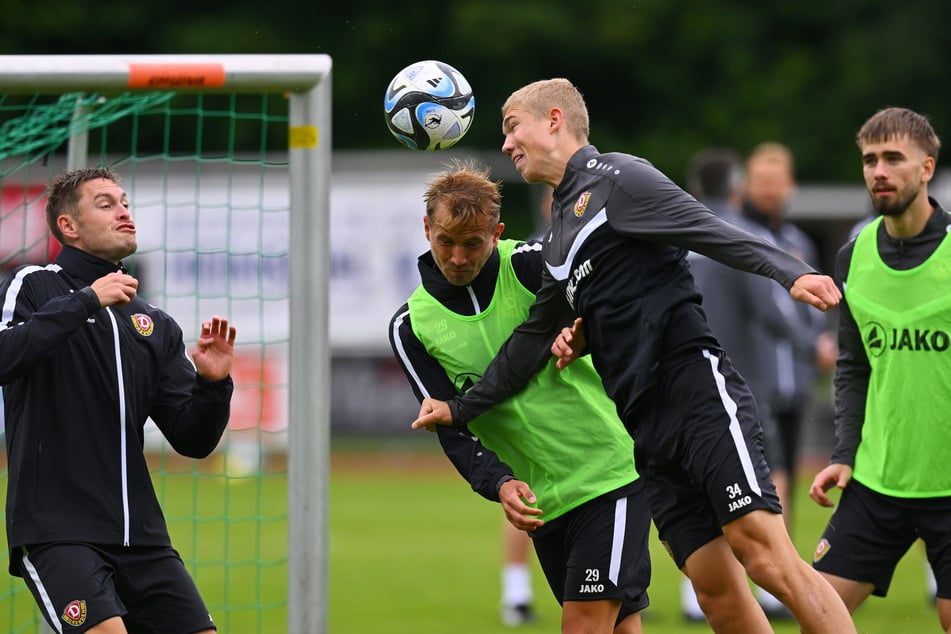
[(307, 80)]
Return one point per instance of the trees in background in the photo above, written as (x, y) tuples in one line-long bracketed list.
[(662, 77)]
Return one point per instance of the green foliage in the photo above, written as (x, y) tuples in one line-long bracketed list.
[(663, 78)]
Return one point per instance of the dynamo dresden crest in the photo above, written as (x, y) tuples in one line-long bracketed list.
[(582, 204), (75, 613), (143, 324)]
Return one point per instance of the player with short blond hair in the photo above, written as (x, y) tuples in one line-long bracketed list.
[(616, 258)]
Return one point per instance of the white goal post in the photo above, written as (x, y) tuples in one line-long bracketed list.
[(306, 79)]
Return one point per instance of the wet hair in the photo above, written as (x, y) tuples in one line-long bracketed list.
[(894, 123), (62, 196), (466, 191), (540, 97)]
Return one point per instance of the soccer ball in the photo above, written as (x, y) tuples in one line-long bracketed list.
[(429, 106)]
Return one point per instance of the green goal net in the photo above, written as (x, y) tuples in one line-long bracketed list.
[(218, 183)]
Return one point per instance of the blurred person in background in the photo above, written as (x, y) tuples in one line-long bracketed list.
[(555, 455), (893, 374), (807, 345), (748, 314), (517, 600), (543, 217), (84, 362)]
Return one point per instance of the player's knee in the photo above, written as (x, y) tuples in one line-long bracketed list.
[(768, 574), (632, 624), (759, 539), (765, 564), (579, 617), (716, 604)]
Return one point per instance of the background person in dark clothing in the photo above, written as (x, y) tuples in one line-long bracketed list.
[(805, 344), (83, 363), (749, 314)]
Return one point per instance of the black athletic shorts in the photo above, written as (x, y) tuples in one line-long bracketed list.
[(870, 532), (599, 551), (77, 586), (699, 450)]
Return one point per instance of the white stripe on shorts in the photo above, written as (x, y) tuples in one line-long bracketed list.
[(738, 441), (52, 617), (617, 540)]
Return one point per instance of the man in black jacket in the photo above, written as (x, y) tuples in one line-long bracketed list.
[(616, 257), (84, 362)]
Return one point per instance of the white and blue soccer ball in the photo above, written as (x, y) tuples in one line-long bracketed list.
[(429, 106)]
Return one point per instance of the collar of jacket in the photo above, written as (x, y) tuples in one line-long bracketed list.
[(85, 266)]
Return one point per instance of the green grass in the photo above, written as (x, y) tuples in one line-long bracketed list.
[(412, 551), (420, 553)]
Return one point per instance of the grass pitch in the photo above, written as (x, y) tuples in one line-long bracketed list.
[(412, 551), (417, 551)]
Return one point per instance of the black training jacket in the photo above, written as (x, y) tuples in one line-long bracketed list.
[(79, 382), (616, 256)]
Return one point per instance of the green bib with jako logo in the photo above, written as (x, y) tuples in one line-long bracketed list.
[(561, 434), (904, 318)]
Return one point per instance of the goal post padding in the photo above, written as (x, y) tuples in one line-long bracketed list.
[(226, 160)]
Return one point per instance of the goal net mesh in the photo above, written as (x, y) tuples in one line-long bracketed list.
[(207, 177)]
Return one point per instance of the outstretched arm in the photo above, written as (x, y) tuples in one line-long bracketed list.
[(816, 290), (481, 468), (522, 355), (660, 211)]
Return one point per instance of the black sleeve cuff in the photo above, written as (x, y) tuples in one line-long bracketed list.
[(498, 485), (457, 419), (223, 388), (90, 299)]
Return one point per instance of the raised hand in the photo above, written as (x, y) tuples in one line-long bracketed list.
[(214, 352)]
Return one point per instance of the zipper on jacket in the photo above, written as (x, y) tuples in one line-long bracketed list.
[(122, 430)]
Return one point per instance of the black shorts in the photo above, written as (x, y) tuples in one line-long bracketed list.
[(77, 586), (699, 451), (870, 532), (599, 551)]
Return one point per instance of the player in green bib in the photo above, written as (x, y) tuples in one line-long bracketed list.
[(555, 455), (893, 374)]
